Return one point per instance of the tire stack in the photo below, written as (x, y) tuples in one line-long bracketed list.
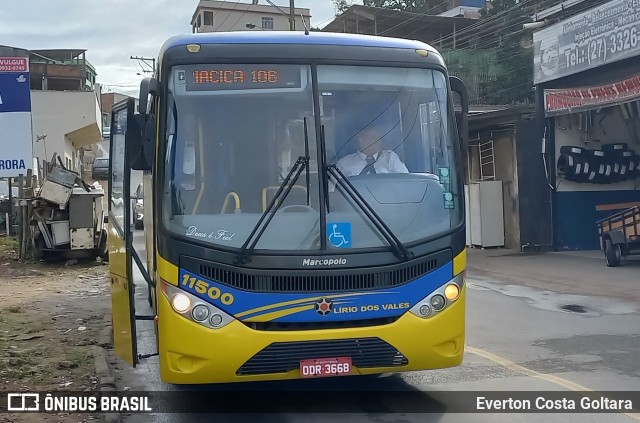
[(613, 163)]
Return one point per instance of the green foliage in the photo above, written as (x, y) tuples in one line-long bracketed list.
[(514, 83), (431, 7), (498, 6), (341, 5)]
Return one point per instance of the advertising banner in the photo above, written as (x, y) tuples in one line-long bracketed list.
[(16, 148), (572, 100), (598, 36)]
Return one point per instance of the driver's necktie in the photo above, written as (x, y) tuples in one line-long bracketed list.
[(369, 168)]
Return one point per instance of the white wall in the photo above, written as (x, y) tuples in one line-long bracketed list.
[(614, 129), (236, 20), (58, 113)]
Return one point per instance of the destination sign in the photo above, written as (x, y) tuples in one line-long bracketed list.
[(239, 77)]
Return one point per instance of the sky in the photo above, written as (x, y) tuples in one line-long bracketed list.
[(113, 30)]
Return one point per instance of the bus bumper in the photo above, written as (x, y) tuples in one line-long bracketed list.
[(193, 354)]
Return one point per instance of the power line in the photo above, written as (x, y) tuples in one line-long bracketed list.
[(146, 60), (487, 43)]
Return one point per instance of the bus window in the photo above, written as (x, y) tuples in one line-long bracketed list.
[(233, 147)]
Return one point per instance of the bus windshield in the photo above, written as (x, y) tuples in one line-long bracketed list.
[(235, 131)]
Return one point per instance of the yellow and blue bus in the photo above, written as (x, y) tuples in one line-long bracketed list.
[(304, 212)]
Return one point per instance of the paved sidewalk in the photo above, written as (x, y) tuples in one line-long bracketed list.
[(572, 272)]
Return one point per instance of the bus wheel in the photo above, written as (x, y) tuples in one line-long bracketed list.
[(612, 253)]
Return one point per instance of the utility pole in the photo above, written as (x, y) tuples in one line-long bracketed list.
[(292, 15), (146, 61)]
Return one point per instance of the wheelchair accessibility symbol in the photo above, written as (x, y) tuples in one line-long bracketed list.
[(339, 234)]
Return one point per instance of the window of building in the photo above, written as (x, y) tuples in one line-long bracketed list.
[(198, 21), (267, 23), (208, 18)]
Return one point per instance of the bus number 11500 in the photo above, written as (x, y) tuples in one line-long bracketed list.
[(204, 288)]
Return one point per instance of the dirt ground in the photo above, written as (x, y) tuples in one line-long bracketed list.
[(50, 317)]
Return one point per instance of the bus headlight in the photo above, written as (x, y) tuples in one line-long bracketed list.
[(181, 303), (195, 309), (200, 313), (438, 302), (439, 299)]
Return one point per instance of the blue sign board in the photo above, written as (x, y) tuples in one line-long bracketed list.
[(16, 136), (14, 92)]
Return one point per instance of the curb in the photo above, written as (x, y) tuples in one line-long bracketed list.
[(103, 371)]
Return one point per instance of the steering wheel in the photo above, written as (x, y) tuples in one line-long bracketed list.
[(297, 208)]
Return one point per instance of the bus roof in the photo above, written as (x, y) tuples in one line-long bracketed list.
[(294, 37)]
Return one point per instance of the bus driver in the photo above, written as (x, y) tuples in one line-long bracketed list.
[(370, 158)]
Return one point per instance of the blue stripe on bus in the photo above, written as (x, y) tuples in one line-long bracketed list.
[(305, 307)]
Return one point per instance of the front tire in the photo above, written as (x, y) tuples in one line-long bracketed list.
[(612, 253)]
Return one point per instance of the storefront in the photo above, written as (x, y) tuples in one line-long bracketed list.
[(587, 76)]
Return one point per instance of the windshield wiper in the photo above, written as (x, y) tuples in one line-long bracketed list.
[(347, 187), (278, 199)]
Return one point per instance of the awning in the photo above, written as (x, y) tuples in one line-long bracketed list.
[(580, 99), (86, 135)]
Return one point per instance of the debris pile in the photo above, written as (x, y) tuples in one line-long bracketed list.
[(65, 217)]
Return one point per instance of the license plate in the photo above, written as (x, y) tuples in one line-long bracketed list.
[(319, 367)]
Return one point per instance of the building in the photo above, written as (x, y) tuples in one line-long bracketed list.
[(501, 154), (61, 70), (464, 8), (587, 77), (65, 103), (219, 16)]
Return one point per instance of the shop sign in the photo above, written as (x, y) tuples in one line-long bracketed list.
[(572, 100), (15, 117), (598, 36)]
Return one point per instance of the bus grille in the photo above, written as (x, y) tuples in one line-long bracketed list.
[(335, 280), (335, 324), (282, 357)]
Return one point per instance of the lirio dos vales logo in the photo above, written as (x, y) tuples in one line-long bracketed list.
[(324, 306)]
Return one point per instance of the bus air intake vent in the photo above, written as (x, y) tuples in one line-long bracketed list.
[(281, 357), (335, 324), (328, 280)]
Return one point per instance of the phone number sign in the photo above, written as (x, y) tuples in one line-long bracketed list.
[(596, 37)]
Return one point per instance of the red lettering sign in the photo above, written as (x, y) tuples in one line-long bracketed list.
[(578, 99), (14, 64)]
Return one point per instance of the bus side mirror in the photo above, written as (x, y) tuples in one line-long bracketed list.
[(148, 86), (462, 118), (139, 138)]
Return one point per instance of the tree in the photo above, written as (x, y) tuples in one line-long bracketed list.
[(514, 83), (341, 5), (431, 7)]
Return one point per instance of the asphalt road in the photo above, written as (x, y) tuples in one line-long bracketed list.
[(519, 338)]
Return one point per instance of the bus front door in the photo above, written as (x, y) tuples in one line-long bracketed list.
[(120, 243)]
